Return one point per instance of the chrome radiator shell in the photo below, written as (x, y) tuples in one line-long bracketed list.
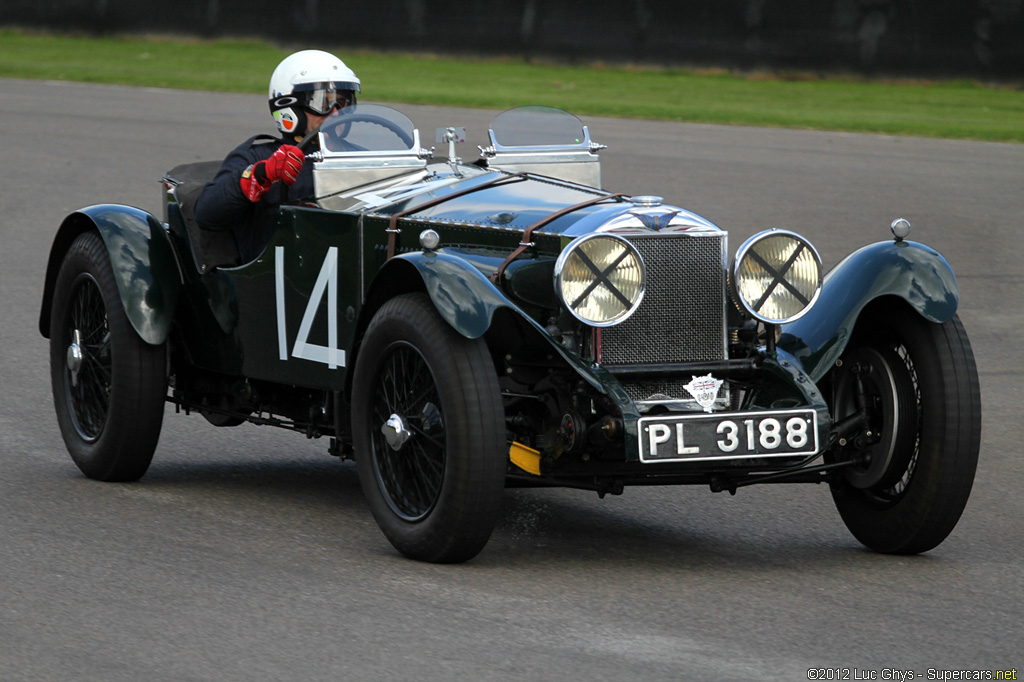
[(682, 318)]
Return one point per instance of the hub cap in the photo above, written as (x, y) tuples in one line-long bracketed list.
[(395, 432), (74, 357)]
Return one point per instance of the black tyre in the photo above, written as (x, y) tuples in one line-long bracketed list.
[(429, 433), (916, 460), (108, 384)]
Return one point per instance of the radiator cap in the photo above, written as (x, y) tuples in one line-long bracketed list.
[(646, 200)]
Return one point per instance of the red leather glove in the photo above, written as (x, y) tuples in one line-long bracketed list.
[(284, 165)]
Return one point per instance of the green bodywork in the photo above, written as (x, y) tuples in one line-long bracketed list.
[(296, 314), (913, 272), (143, 262), (239, 321)]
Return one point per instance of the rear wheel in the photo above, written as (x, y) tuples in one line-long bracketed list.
[(108, 384), (917, 385), (429, 433)]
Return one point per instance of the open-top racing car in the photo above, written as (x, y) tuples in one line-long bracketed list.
[(457, 328)]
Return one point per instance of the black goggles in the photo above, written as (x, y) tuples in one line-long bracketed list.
[(322, 101)]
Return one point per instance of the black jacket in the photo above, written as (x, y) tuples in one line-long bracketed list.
[(223, 206)]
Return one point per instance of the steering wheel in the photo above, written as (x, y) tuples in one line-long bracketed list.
[(345, 120), (308, 140)]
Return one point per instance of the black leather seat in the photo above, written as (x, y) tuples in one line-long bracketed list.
[(210, 248)]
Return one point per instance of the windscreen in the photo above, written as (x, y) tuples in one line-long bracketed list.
[(366, 128), (535, 126)]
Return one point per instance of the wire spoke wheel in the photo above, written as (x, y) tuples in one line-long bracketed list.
[(108, 384), (916, 384), (884, 379), (411, 477), (88, 370), (429, 432)]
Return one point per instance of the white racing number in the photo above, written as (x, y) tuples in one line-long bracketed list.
[(326, 281)]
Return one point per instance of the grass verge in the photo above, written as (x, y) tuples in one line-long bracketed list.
[(951, 109)]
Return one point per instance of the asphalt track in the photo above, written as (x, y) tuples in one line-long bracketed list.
[(248, 554)]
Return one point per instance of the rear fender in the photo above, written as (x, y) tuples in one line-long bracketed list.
[(145, 268), (910, 271)]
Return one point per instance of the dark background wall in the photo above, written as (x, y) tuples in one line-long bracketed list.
[(980, 38)]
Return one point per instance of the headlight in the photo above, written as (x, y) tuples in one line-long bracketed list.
[(776, 276), (600, 279)]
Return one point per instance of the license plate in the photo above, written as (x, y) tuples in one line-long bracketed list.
[(735, 435)]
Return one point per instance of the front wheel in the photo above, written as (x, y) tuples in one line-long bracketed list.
[(915, 384), (429, 433), (108, 384)]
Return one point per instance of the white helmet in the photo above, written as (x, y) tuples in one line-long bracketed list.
[(310, 80)]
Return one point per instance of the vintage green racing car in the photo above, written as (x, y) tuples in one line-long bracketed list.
[(456, 328)]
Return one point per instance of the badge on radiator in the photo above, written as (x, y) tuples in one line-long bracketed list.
[(704, 390)]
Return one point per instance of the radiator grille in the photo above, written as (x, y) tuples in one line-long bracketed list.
[(682, 316)]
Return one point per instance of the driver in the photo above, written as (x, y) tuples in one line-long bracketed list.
[(262, 172)]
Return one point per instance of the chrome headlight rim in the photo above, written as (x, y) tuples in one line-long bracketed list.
[(574, 247), (747, 247)]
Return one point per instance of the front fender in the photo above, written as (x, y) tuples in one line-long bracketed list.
[(144, 265), (913, 272), (463, 296), (467, 301)]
